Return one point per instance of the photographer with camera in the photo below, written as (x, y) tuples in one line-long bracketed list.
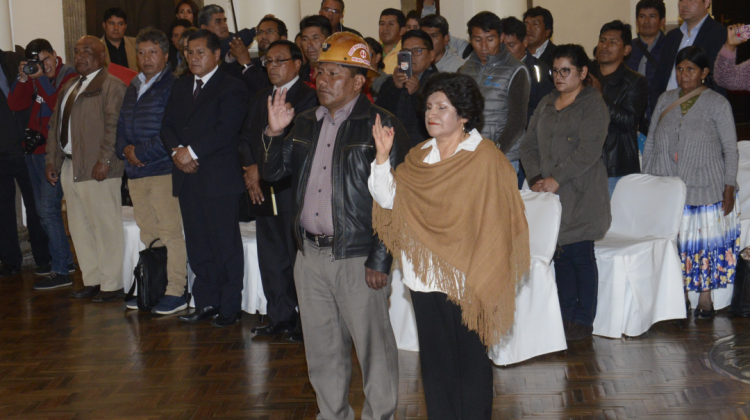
[(36, 87), (13, 170)]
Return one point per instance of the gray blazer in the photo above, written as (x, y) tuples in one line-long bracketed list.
[(705, 141), (567, 146)]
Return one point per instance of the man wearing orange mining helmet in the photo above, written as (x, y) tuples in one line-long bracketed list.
[(341, 270)]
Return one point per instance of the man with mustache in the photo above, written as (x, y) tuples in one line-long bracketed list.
[(81, 156), (254, 72), (276, 250), (341, 269)]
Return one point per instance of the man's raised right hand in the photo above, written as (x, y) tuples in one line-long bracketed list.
[(280, 114)]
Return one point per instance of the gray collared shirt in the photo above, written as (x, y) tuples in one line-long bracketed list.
[(317, 213), (644, 59)]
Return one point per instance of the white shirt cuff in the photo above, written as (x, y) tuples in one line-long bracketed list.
[(190, 149), (381, 184)]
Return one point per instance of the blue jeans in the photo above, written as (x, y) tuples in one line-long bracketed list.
[(612, 184), (577, 280), (49, 208)]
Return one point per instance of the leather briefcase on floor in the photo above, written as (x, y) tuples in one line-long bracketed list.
[(741, 293), (150, 277)]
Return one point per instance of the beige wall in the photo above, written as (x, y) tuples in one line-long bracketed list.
[(38, 19), (579, 21)]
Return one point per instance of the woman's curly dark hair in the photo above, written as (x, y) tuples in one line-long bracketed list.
[(463, 93)]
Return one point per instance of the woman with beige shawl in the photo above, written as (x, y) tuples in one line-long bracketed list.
[(453, 212)]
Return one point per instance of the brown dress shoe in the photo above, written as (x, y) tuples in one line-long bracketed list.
[(578, 332), (86, 292), (114, 295)]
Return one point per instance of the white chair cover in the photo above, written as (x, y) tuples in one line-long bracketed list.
[(253, 299), (722, 298), (133, 246), (538, 327), (402, 314), (743, 181), (640, 274)]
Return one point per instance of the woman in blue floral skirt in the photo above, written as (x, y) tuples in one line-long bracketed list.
[(692, 136)]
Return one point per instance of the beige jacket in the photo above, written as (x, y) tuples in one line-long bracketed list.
[(93, 127), (130, 50)]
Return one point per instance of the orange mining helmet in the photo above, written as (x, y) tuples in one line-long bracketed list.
[(347, 49)]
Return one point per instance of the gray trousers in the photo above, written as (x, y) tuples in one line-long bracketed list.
[(338, 309)]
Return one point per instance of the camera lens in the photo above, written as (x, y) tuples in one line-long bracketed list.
[(31, 68)]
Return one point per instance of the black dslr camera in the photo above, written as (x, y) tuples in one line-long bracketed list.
[(32, 64)]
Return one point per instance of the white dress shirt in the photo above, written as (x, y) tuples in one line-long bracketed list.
[(540, 50), (383, 190), (145, 86), (205, 80), (286, 86), (688, 38), (69, 147)]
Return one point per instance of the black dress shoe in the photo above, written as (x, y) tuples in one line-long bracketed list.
[(7, 269), (86, 292), (202, 315), (273, 328), (704, 313), (226, 320), (295, 337), (114, 295)]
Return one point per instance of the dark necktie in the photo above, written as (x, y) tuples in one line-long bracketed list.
[(197, 91), (67, 109)]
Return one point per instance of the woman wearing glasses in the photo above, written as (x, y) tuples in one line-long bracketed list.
[(562, 154)]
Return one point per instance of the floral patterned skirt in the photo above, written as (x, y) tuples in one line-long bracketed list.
[(709, 244)]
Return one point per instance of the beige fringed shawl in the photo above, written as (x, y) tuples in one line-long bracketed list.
[(463, 219)]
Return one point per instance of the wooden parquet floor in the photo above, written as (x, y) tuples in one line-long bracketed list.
[(67, 359)]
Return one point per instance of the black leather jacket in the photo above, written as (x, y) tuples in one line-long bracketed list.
[(626, 96), (353, 153)]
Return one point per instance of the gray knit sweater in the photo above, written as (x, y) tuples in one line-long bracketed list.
[(706, 143)]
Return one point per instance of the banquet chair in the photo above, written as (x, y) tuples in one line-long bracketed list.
[(722, 297), (640, 274), (743, 181), (538, 327), (401, 312)]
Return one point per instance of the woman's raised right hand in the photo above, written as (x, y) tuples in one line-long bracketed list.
[(383, 140)]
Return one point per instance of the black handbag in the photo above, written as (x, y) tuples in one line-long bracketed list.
[(741, 293), (150, 277)]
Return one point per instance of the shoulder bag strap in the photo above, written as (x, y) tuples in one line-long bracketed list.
[(650, 57), (685, 98)]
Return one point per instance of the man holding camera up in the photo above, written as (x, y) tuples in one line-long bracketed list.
[(36, 87), (12, 170)]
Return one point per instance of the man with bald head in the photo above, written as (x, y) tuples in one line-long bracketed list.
[(81, 156)]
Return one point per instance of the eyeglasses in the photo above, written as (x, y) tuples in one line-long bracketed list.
[(268, 32), (274, 63), (563, 72), (334, 11), (416, 52)]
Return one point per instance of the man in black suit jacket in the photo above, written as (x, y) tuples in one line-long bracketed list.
[(251, 70), (540, 27), (276, 250), (201, 126), (711, 36)]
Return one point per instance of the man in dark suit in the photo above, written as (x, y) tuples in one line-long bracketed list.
[(201, 126), (540, 27), (251, 70), (698, 30), (276, 250)]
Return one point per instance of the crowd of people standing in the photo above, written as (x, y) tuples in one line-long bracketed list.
[(367, 159)]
